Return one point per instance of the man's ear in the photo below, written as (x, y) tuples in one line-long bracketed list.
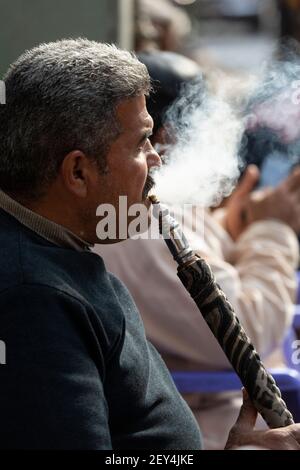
[(76, 173)]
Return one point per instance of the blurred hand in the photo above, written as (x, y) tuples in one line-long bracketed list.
[(235, 214), (243, 435), (281, 203)]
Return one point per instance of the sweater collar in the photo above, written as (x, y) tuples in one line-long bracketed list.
[(47, 229)]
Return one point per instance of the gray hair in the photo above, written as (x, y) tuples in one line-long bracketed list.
[(60, 97)]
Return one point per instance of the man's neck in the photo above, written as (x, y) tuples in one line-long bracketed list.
[(48, 224)]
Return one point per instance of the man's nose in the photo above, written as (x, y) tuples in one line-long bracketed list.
[(153, 158)]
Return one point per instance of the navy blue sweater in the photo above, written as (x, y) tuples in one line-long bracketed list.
[(79, 372)]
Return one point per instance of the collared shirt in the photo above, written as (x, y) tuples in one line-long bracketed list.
[(46, 228)]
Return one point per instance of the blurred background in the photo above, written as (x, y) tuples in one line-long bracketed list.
[(26, 23), (231, 34)]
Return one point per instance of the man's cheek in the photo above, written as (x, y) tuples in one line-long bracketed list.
[(140, 182)]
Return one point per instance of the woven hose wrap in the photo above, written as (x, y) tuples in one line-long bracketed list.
[(218, 313)]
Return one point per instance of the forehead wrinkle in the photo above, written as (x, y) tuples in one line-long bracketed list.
[(134, 120)]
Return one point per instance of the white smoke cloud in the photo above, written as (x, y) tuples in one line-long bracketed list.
[(203, 163), (202, 166)]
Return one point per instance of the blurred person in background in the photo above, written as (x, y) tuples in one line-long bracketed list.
[(160, 25), (290, 18), (252, 248)]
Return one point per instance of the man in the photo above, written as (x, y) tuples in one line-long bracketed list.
[(253, 258), (79, 373)]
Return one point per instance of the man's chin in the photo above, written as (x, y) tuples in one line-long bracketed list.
[(133, 220)]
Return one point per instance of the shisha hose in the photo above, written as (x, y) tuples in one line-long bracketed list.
[(197, 277)]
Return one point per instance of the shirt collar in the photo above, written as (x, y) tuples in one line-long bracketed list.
[(47, 229)]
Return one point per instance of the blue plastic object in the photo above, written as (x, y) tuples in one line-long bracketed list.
[(291, 351), (298, 291), (296, 321), (288, 380)]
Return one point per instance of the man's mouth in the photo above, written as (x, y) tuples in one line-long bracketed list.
[(150, 183)]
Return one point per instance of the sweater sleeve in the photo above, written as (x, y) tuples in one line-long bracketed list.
[(52, 394)]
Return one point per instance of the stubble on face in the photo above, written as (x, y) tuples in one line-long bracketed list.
[(149, 185)]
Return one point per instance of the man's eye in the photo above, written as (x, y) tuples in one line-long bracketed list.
[(143, 144)]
